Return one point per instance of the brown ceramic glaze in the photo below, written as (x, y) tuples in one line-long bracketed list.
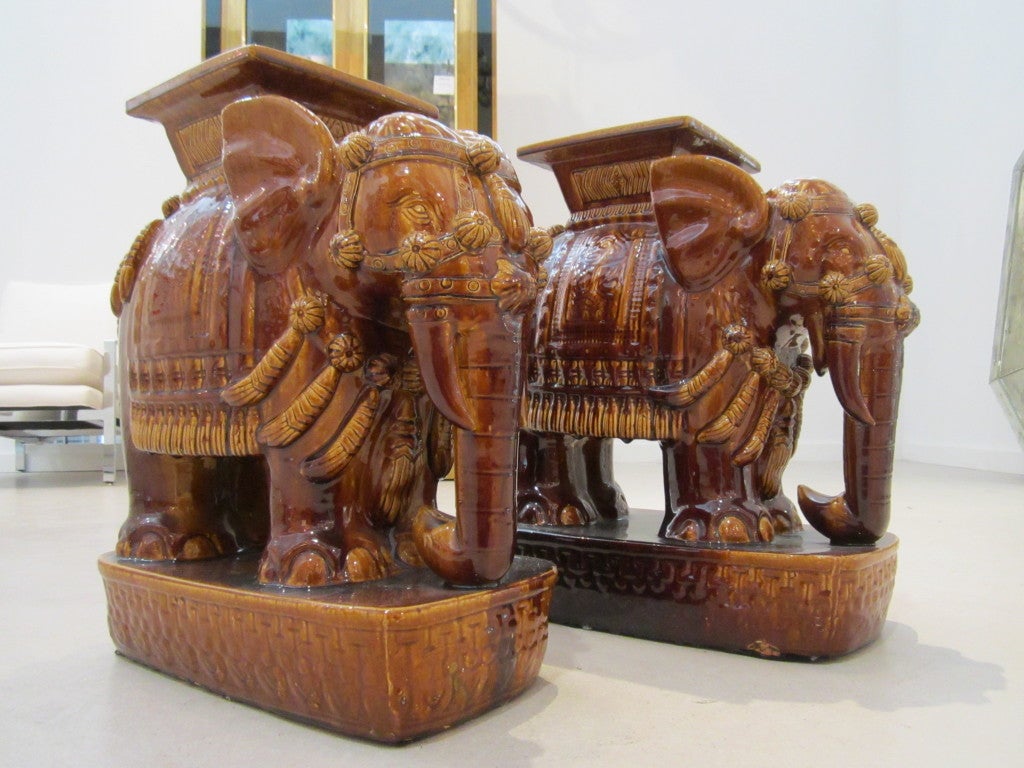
[(311, 321), (325, 319), (685, 305), (388, 660), (798, 597)]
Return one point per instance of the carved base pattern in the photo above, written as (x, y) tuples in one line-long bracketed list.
[(795, 597), (390, 661)]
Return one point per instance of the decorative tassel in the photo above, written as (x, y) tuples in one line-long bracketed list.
[(307, 314), (722, 428), (440, 452), (780, 449), (285, 428), (262, 379), (688, 391), (400, 450), (398, 477), (332, 460), (755, 443)]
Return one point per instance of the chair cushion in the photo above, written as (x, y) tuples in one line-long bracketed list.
[(51, 364), (19, 396)]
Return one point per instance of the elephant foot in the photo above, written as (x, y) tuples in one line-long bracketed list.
[(150, 539), (301, 560), (719, 523), (784, 514), (537, 509), (362, 564), (405, 547), (541, 514), (611, 501)]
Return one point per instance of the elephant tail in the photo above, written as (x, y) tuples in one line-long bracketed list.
[(128, 269)]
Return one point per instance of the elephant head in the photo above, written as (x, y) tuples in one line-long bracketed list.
[(806, 250), (420, 230)]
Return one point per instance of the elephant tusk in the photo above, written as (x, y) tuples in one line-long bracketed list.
[(436, 342), (844, 356)]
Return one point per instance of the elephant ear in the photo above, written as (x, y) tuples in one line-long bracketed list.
[(708, 212), (281, 168)]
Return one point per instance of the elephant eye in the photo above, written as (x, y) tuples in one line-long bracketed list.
[(414, 213)]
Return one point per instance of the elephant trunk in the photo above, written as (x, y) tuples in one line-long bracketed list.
[(470, 354), (865, 361), (476, 546)]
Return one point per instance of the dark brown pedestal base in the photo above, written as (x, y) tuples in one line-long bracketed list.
[(796, 597), (391, 660)]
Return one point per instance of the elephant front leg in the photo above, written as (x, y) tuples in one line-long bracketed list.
[(709, 498), (304, 548), (320, 533), (559, 476)]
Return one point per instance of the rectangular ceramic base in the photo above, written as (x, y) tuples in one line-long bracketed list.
[(795, 597), (390, 660)]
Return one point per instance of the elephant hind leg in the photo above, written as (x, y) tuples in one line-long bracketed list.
[(596, 454), (188, 508), (553, 484)]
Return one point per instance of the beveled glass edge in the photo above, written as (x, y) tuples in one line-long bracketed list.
[(1014, 245)]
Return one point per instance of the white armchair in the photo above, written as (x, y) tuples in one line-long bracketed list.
[(57, 376)]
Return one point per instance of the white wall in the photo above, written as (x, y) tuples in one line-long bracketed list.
[(80, 177), (961, 114), (913, 106)]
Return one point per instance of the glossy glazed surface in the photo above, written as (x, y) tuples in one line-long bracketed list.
[(339, 289), (685, 305), (391, 660)]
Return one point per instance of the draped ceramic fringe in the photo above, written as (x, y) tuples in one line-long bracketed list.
[(194, 429), (261, 380), (285, 428), (332, 460), (755, 443), (722, 428), (631, 418)]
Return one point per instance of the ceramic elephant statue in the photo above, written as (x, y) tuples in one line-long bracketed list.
[(685, 305), (314, 417)]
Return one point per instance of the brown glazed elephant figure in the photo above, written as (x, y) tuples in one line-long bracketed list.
[(695, 319), (404, 251)]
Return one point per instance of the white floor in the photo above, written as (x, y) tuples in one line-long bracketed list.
[(943, 686)]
